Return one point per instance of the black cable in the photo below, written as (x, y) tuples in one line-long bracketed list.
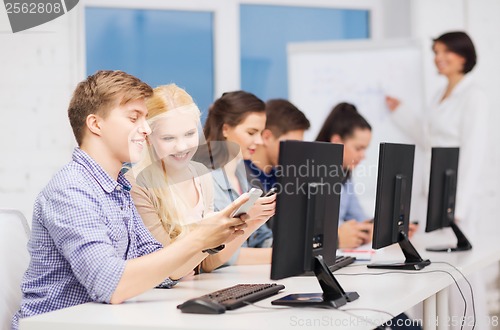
[(420, 272), (397, 272), (470, 287)]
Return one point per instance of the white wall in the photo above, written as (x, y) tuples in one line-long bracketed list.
[(396, 19), (37, 76), (483, 22)]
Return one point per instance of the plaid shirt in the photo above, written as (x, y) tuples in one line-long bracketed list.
[(84, 228)]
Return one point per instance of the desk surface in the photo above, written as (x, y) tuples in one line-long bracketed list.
[(390, 293)]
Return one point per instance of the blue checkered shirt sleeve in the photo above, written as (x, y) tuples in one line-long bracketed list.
[(84, 242), (146, 243)]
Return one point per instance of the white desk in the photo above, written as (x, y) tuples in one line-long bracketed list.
[(392, 293), (486, 251)]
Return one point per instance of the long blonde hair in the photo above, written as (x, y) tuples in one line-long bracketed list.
[(151, 172)]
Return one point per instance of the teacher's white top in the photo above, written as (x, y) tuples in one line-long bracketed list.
[(461, 120)]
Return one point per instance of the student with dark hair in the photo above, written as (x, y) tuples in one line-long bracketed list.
[(235, 122), (88, 242), (347, 126), (284, 122)]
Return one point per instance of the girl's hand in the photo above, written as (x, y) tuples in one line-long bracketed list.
[(263, 209)]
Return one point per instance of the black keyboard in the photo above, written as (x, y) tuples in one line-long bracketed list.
[(340, 262), (234, 297)]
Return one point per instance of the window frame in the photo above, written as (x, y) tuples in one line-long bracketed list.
[(226, 13)]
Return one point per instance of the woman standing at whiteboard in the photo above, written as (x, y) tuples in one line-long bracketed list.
[(456, 117)]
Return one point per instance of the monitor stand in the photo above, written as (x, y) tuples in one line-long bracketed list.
[(413, 260), (333, 295), (463, 243)]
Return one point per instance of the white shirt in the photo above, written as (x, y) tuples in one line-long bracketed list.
[(461, 120)]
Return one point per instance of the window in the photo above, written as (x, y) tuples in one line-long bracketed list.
[(180, 40), (157, 46), (266, 30)]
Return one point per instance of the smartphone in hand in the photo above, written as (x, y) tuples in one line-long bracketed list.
[(271, 192), (254, 195)]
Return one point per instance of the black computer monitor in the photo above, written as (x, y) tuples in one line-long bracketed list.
[(442, 193), (309, 179), (392, 206)]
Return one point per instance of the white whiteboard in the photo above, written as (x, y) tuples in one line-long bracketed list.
[(323, 74)]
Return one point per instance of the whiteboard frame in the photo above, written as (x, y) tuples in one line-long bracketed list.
[(299, 48), (349, 45), (304, 48)]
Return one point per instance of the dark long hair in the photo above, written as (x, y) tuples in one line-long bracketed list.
[(231, 108), (342, 120)]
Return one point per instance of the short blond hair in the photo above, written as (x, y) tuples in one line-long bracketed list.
[(99, 93)]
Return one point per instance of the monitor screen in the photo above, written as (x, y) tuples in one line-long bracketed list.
[(394, 183), (309, 179), (392, 205), (442, 194), (442, 188)]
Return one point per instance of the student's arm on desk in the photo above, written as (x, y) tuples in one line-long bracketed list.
[(145, 272)]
